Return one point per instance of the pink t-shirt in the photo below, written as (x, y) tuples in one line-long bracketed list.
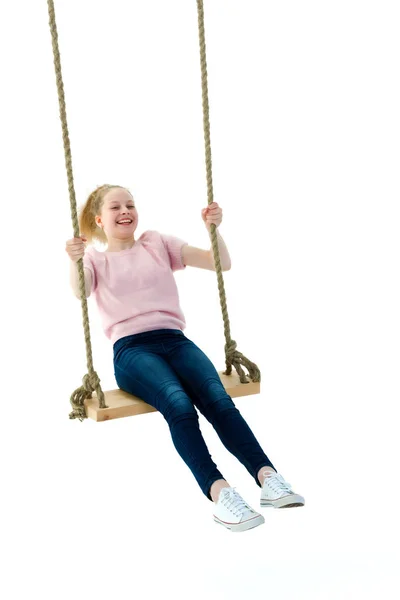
[(135, 289)]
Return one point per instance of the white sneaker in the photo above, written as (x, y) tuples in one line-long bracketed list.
[(234, 513), (277, 492)]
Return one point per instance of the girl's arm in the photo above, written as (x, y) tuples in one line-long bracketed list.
[(204, 259), (223, 253), (74, 280)]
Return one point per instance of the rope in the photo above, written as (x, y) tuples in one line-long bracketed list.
[(91, 381), (232, 356)]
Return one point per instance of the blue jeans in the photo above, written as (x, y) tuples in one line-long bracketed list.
[(169, 372)]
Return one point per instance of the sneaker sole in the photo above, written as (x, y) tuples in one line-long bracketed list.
[(285, 502), (244, 526)]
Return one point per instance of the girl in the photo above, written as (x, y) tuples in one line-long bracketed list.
[(137, 297)]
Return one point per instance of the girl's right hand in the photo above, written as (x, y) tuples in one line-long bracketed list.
[(75, 248)]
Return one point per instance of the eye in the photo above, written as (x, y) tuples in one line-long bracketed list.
[(116, 207)]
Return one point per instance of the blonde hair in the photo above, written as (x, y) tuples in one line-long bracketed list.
[(92, 207)]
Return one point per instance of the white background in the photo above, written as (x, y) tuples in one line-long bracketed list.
[(305, 130)]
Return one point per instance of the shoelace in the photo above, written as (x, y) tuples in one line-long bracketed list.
[(232, 497), (276, 482)]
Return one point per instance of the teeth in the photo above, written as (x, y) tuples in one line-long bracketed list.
[(126, 221)]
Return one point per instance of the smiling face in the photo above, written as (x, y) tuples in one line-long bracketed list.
[(118, 217)]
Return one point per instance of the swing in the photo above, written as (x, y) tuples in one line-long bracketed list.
[(89, 400)]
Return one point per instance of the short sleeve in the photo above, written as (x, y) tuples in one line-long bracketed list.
[(88, 263), (174, 247)]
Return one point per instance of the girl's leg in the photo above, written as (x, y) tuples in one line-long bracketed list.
[(204, 386), (263, 473), (141, 371), (216, 488)]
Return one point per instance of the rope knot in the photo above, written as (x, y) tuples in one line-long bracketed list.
[(230, 349), (236, 359), (91, 381)]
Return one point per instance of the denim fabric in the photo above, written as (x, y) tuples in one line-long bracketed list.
[(169, 372)]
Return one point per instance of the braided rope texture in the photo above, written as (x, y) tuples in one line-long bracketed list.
[(232, 356), (91, 381)]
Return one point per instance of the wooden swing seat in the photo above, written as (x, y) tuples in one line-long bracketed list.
[(122, 404)]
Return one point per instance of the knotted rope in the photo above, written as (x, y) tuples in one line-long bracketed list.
[(91, 381), (232, 356)]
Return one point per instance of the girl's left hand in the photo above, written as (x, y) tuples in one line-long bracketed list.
[(212, 214)]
